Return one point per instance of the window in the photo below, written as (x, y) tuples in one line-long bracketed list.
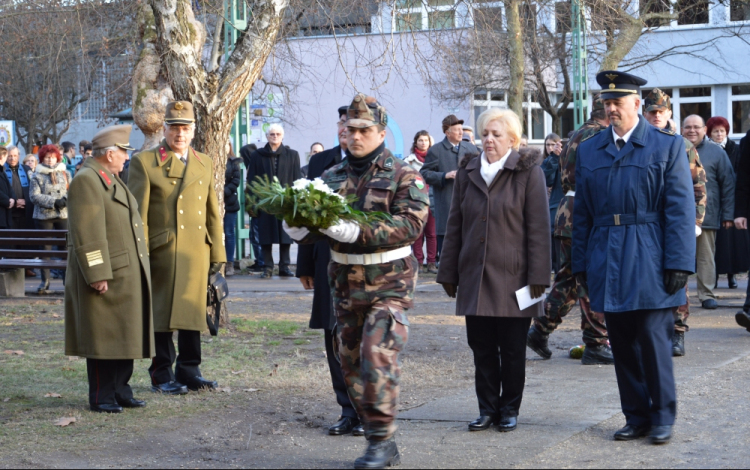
[(701, 109), (441, 19), (414, 15), (691, 12), (563, 17), (740, 119), (739, 10), (695, 92), (655, 7), (408, 21)]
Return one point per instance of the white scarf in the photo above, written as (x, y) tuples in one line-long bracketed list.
[(490, 170), (723, 143)]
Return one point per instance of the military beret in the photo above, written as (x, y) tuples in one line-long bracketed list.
[(179, 112), (365, 111), (113, 136), (656, 100), (618, 84)]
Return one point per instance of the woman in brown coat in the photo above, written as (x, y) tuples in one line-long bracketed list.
[(498, 242)]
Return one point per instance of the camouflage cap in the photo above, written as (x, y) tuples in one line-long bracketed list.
[(113, 136), (179, 112), (598, 103), (657, 100), (365, 111)]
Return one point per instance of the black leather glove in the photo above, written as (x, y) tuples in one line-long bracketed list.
[(60, 203), (537, 291), (674, 281), (582, 280), (215, 268), (450, 289)]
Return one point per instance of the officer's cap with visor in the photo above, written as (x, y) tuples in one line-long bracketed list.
[(364, 112), (179, 113), (113, 136), (619, 84)]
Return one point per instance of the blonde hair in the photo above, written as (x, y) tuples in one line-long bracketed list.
[(507, 118)]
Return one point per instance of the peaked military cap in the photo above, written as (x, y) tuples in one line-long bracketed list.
[(657, 100), (179, 112), (113, 136), (618, 84), (365, 111)]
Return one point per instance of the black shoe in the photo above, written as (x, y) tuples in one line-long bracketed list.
[(631, 433), (379, 454), (131, 403), (199, 383), (359, 430), (344, 426), (709, 304), (482, 423), (286, 273), (678, 344), (267, 274), (537, 342), (106, 408), (170, 388), (597, 355), (660, 435), (731, 281), (743, 319), (508, 424), (257, 269)]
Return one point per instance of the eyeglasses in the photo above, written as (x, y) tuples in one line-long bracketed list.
[(694, 128)]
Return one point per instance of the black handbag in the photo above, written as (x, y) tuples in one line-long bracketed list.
[(218, 290)]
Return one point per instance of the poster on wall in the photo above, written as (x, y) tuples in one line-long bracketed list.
[(7, 133)]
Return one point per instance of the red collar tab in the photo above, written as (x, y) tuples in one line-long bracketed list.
[(106, 178), (195, 154), (163, 153)]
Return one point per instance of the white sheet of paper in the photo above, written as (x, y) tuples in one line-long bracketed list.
[(524, 298)]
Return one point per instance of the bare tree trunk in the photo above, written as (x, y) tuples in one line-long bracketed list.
[(515, 47), (630, 31)]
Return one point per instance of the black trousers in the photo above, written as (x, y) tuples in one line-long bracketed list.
[(284, 254), (108, 380), (642, 347), (440, 241), (337, 378), (188, 362), (499, 346), (50, 224)]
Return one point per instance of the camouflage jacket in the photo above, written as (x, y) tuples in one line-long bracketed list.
[(699, 178), (389, 186), (564, 217)]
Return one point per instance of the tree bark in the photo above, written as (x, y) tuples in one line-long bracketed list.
[(516, 57)]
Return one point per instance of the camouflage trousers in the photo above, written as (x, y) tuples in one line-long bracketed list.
[(563, 297), (370, 304), (681, 314)]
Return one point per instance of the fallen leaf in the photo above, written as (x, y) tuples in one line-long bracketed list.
[(14, 353), (52, 395), (62, 422), (236, 372), (251, 390)]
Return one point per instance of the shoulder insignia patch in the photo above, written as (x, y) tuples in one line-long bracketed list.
[(419, 182), (106, 178), (388, 165), (162, 153), (94, 258), (666, 131)]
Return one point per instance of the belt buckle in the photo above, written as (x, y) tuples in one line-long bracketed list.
[(356, 259), (617, 219)]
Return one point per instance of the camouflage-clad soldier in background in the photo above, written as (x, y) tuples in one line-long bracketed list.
[(373, 273), (658, 112), (566, 291)]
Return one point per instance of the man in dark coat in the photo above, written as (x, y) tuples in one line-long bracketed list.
[(742, 213), (440, 168), (312, 269), (634, 243), (19, 177), (274, 160), (719, 207), (6, 196)]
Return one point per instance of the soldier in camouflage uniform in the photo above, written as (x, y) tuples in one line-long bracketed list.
[(658, 112), (373, 273), (566, 291)]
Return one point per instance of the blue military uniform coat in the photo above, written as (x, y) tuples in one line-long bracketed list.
[(634, 218)]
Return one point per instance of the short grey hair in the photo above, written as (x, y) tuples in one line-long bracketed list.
[(98, 153), (275, 127), (167, 125), (11, 148)]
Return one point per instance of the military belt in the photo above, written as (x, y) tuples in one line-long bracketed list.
[(371, 259), (626, 219)]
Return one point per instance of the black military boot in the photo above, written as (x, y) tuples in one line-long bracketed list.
[(537, 342), (379, 454), (678, 344), (597, 355), (743, 319)]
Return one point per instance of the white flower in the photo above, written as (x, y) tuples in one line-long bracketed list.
[(301, 184), (321, 186)]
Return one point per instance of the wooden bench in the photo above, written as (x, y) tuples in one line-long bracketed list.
[(16, 261)]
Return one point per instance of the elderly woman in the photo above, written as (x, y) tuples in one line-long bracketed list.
[(498, 243), (108, 316), (274, 160), (732, 245), (49, 193)]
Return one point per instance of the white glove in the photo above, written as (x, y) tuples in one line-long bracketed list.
[(698, 231), (344, 232), (296, 233)]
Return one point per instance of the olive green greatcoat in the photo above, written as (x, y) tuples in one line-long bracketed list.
[(184, 231), (106, 242)]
